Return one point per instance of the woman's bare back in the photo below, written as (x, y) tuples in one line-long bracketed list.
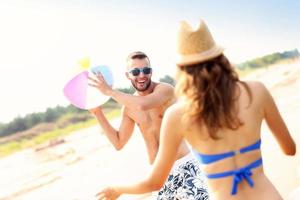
[(251, 113)]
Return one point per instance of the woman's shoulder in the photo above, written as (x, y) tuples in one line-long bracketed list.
[(255, 84), (173, 117), (259, 91), (176, 108), (256, 87), (175, 112)]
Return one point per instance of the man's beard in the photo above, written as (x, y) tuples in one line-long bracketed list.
[(141, 89)]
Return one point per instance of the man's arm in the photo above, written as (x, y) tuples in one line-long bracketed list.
[(117, 137), (161, 94)]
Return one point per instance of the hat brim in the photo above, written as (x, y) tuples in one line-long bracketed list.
[(185, 60)]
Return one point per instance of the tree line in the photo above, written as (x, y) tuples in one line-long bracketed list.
[(30, 120), (270, 59)]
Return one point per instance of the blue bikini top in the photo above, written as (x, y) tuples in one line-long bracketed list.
[(238, 174)]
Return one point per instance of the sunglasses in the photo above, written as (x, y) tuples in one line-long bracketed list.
[(137, 71)]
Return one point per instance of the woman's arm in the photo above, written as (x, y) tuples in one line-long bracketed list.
[(277, 125), (170, 140)]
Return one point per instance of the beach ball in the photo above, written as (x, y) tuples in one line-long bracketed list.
[(84, 96)]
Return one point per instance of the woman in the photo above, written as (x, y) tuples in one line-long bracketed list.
[(220, 117)]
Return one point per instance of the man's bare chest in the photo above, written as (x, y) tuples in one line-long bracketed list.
[(147, 118)]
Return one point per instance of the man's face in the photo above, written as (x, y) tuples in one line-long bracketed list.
[(138, 73)]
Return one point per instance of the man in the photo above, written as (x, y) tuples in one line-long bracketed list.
[(146, 109)]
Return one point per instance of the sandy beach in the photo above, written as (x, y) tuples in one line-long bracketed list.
[(81, 163), (75, 169)]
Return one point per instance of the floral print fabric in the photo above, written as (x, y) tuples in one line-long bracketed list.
[(185, 181)]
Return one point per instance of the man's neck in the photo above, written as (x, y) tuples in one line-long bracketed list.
[(148, 91)]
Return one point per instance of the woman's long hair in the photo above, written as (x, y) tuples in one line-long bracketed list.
[(211, 89)]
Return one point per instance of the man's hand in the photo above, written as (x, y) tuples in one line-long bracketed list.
[(95, 110), (100, 84), (108, 193)]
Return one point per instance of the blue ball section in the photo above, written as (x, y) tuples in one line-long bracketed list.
[(105, 71)]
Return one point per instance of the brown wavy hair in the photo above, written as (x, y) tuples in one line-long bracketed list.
[(211, 92)]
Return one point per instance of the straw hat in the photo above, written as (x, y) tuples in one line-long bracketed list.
[(196, 46)]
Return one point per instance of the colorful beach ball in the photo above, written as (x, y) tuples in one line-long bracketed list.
[(83, 96)]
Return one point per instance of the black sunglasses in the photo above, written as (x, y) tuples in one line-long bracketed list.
[(137, 71)]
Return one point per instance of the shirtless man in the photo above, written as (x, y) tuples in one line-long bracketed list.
[(146, 109)]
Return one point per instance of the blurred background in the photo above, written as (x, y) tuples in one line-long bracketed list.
[(51, 150)]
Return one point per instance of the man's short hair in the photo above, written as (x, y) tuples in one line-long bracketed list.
[(138, 55)]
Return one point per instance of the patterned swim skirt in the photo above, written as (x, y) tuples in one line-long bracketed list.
[(185, 181)]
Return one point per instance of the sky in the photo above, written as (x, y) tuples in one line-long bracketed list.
[(42, 41)]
